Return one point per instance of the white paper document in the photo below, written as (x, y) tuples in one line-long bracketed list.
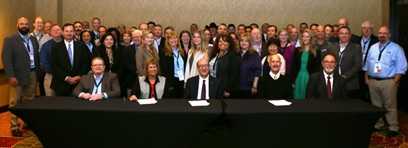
[(147, 101), (199, 103), (280, 102)]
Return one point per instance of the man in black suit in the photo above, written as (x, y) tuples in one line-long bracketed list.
[(326, 84), (349, 62), (70, 60), (129, 61), (159, 40), (367, 39), (203, 86)]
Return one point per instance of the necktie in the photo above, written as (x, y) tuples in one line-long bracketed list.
[(71, 59), (203, 91), (328, 86)]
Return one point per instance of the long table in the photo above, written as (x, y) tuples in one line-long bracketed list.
[(71, 122)]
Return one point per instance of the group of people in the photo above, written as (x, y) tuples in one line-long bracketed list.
[(218, 61)]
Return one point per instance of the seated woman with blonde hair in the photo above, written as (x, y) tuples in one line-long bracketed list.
[(149, 85)]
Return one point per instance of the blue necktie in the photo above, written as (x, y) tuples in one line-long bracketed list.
[(71, 58)]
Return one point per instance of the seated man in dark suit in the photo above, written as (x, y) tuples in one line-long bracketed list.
[(274, 85), (327, 84), (203, 86), (97, 84)]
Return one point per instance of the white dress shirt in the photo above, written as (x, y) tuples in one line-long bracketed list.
[(274, 76), (331, 80)]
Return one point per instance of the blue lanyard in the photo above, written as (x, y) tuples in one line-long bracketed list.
[(98, 84), (382, 50)]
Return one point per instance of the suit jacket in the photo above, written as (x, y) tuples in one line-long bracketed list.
[(316, 88), (16, 59), (93, 53), (167, 67), (116, 66), (161, 46), (129, 65), (373, 40), (110, 85), (191, 90), (350, 65), (62, 68), (228, 71), (313, 63)]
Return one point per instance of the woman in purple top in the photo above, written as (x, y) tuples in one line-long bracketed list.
[(250, 69), (286, 49)]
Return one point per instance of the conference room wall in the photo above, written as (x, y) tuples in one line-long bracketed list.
[(10, 10), (181, 13)]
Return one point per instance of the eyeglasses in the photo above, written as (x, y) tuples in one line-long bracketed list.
[(95, 65)]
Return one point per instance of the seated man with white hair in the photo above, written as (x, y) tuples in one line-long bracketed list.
[(275, 85)]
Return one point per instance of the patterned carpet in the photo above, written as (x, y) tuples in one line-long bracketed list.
[(378, 140)]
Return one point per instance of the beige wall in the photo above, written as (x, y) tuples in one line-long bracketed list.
[(9, 15), (181, 13)]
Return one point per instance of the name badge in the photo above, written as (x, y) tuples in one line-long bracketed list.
[(377, 68), (180, 76)]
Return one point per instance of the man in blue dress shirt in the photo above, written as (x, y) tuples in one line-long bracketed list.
[(385, 64)]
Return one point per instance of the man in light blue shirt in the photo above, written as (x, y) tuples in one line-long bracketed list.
[(385, 64)]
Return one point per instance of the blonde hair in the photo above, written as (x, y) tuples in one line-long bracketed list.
[(150, 61), (167, 47), (312, 47)]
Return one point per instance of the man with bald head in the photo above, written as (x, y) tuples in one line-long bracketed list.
[(343, 22), (21, 64), (386, 63)]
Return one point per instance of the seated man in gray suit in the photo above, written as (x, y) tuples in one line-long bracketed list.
[(97, 84)]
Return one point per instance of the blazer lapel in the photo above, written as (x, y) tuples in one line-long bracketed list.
[(66, 56), (105, 82), (92, 83), (21, 43), (323, 87), (211, 87)]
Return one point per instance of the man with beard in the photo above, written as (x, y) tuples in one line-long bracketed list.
[(78, 28), (326, 84), (386, 63), (21, 64)]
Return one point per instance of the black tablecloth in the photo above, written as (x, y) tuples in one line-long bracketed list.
[(71, 122)]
